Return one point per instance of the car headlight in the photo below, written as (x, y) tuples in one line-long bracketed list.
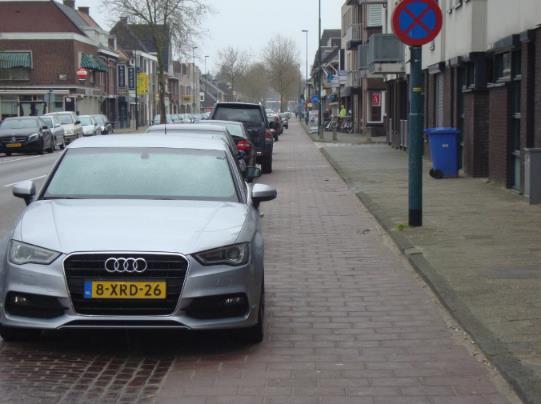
[(33, 137), (234, 255), (22, 253)]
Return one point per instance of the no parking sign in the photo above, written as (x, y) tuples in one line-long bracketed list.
[(417, 22)]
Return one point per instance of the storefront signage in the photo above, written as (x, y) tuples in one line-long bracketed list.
[(131, 78), (82, 74), (121, 76), (376, 99)]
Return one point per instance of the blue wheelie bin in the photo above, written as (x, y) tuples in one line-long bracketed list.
[(444, 149)]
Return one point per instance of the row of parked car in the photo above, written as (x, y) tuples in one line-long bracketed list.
[(181, 118), (55, 130), (164, 232)]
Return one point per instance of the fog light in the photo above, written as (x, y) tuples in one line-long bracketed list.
[(21, 300), (234, 301)]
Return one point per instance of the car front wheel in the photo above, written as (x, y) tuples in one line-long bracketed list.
[(9, 334)]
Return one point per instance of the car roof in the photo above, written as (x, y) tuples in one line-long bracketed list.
[(60, 113), (20, 117), (187, 127), (215, 122), (144, 140)]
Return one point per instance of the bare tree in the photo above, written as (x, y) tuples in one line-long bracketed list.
[(169, 23), (281, 59), (232, 66), (254, 84)]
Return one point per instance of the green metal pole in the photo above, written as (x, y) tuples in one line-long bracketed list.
[(415, 139)]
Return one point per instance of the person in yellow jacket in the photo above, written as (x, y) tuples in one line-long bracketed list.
[(342, 114)]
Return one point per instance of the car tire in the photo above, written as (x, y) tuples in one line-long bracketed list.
[(52, 145), (266, 164), (63, 145), (9, 334), (42, 148), (256, 333)]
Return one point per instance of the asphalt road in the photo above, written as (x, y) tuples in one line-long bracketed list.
[(12, 170)]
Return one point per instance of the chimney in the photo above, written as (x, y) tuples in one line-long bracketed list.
[(124, 20), (69, 3), (85, 10)]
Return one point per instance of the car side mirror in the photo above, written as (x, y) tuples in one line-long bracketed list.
[(44, 127), (263, 193), (57, 125), (25, 190), (77, 122), (252, 173)]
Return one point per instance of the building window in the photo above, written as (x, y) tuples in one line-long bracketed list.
[(374, 15), (502, 67), (17, 74)]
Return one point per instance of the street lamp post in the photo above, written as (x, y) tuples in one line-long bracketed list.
[(320, 76), (306, 73), (206, 78), (193, 80)]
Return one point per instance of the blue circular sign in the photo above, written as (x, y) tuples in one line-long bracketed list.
[(417, 22)]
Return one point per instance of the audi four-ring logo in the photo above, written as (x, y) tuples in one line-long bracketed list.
[(122, 265)]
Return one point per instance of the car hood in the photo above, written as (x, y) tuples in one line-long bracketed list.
[(183, 227), (18, 132)]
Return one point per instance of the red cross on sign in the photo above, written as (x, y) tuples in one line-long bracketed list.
[(417, 22)]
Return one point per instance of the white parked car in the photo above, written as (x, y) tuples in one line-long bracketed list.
[(90, 125)]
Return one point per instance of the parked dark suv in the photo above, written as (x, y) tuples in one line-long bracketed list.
[(255, 121)]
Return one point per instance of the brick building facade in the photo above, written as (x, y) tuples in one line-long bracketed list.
[(43, 45), (483, 78)]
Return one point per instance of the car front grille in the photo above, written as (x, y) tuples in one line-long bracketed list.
[(13, 139), (91, 267)]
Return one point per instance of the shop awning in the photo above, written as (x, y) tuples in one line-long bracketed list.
[(93, 63), (13, 60)]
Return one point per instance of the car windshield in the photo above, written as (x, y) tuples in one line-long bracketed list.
[(248, 115), (19, 124), (99, 119), (143, 173), (65, 119), (86, 121), (48, 121)]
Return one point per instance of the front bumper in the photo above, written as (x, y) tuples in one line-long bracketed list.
[(200, 284), (26, 147)]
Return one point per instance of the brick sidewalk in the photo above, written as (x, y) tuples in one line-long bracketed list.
[(348, 321)]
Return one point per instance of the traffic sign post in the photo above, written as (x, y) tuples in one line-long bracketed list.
[(415, 23)]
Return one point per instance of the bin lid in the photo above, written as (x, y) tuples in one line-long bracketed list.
[(442, 131)]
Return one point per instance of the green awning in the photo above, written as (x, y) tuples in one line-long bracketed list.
[(13, 60), (93, 63)]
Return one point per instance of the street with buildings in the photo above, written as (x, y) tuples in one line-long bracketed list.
[(323, 155)]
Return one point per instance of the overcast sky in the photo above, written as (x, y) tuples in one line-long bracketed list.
[(249, 24)]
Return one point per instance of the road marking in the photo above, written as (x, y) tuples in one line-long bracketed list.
[(29, 179), (19, 159)]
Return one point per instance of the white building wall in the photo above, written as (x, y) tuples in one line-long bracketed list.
[(508, 17)]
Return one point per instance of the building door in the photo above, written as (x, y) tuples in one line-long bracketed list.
[(69, 104), (439, 98), (515, 124)]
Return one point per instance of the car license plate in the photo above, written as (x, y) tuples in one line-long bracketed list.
[(14, 145), (125, 290)]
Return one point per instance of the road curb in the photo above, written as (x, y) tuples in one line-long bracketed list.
[(522, 380)]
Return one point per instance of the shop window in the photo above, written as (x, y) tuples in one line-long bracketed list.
[(8, 106), (17, 74)]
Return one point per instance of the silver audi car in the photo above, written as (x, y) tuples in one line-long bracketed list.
[(137, 231)]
